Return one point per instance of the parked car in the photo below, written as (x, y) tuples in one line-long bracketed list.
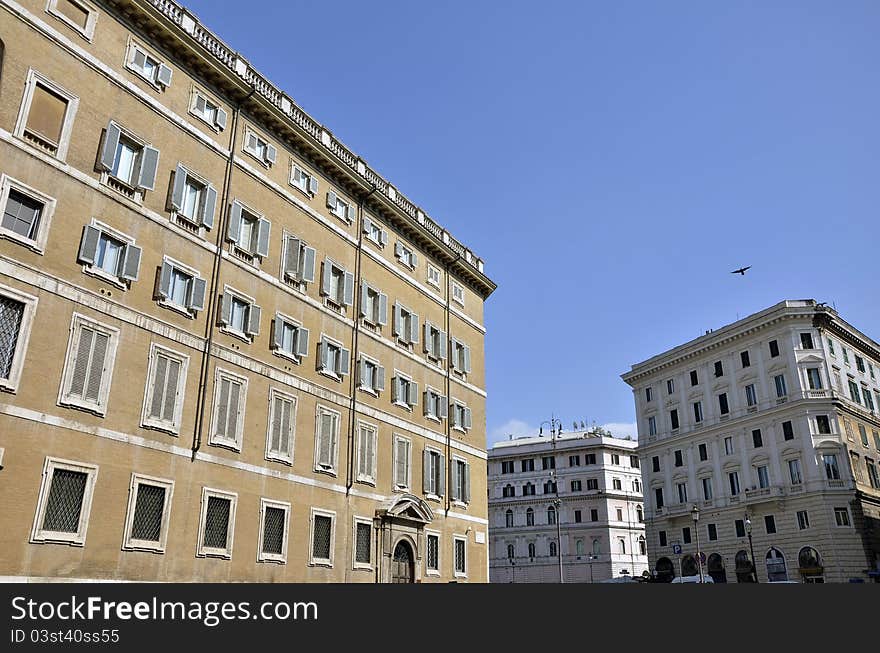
[(693, 579)]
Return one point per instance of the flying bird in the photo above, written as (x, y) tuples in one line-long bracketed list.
[(741, 271)]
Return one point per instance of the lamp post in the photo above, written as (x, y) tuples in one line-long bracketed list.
[(751, 547), (591, 557), (555, 429), (695, 514), (513, 569)]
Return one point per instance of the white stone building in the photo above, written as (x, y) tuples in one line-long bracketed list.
[(587, 481), (770, 427)]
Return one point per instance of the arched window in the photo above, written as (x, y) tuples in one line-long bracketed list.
[(745, 570), (688, 566), (579, 547), (643, 550), (716, 568), (776, 565), (508, 491), (637, 486), (552, 549), (640, 513), (597, 547), (508, 518), (621, 546), (808, 558), (665, 570), (550, 487), (511, 552), (528, 489), (531, 549), (530, 517), (551, 515)]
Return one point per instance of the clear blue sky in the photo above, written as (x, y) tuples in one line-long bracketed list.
[(610, 161)]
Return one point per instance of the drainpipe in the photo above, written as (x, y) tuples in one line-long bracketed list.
[(450, 353), (215, 281)]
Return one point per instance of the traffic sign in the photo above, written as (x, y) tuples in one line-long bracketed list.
[(676, 549)]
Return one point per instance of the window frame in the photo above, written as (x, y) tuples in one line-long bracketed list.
[(190, 309), (433, 270), (412, 388), (236, 444), (131, 50), (227, 328), (331, 514), (337, 373), (376, 388), (128, 542), (41, 536), (331, 469), (16, 369), (262, 556), (280, 457), (88, 32), (435, 571), (396, 486), (455, 540), (269, 159), (94, 270), (34, 78), (457, 293), (842, 510), (299, 332), (355, 565), (310, 187), (216, 125), (150, 422), (77, 321), (203, 551), (406, 255), (367, 476), (334, 202), (201, 221), (37, 244)]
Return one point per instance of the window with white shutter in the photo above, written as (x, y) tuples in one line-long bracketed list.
[(371, 375), (128, 164), (281, 428), (460, 358), (45, 120), (65, 502), (88, 370), (298, 262), (374, 232), (374, 306), (249, 232), (368, 436), (458, 294), (149, 513), (337, 285), (433, 473), (230, 394), (217, 523), (290, 339), (339, 207), (363, 539), (192, 200), (180, 288), (207, 110), (239, 314), (164, 396), (148, 66), (334, 360), (109, 254), (303, 180), (402, 463), (322, 536), (461, 416), (434, 341), (461, 481), (16, 317), (326, 440), (80, 15), (274, 518), (259, 147), (405, 391), (436, 405), (405, 325), (433, 277), (406, 255)]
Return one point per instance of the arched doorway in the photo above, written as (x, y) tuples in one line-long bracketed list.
[(715, 566), (810, 565), (776, 566), (689, 566), (402, 563), (665, 570), (745, 570)]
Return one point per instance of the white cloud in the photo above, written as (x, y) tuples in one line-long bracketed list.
[(514, 427), (622, 429)]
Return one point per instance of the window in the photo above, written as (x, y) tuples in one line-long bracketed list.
[(873, 478), (374, 307), (682, 492), (813, 378), (744, 359), (433, 276), (530, 516), (806, 341), (230, 394), (723, 406), (576, 486), (803, 520), (16, 317), (374, 232), (506, 466), (531, 549), (460, 553), (432, 558), (437, 408), (406, 325), (458, 294), (301, 179), (592, 484), (634, 462), (774, 348), (405, 391), (193, 200), (845, 355), (298, 261), (148, 515), (763, 476), (217, 523), (703, 451), (781, 390), (549, 487), (863, 433), (139, 61), (65, 502), (528, 465), (670, 386), (694, 379), (461, 481), (434, 474), (841, 516), (679, 458), (574, 461), (733, 480), (109, 254), (661, 536), (333, 358), (368, 436), (548, 462), (658, 497), (321, 537), (866, 396), (166, 383), (282, 426), (405, 255), (78, 14), (823, 424), (713, 532), (25, 214), (578, 517), (640, 514), (402, 463), (616, 484), (371, 376), (686, 535), (707, 488), (655, 463), (46, 116), (832, 471), (239, 314), (129, 165), (794, 471), (757, 440), (363, 537), (740, 527), (876, 440), (860, 364), (698, 411), (787, 431), (649, 394), (615, 459), (461, 416), (326, 440), (751, 395), (461, 357), (248, 232), (719, 369), (728, 445), (274, 517), (290, 339), (652, 425), (673, 419), (551, 515), (435, 341), (88, 370), (637, 485), (180, 287), (594, 514), (339, 207), (590, 459), (259, 147), (207, 110)]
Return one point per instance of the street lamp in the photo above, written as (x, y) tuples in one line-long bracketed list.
[(695, 514), (592, 557), (513, 568), (751, 547)]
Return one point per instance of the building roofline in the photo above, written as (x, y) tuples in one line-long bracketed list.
[(583, 438)]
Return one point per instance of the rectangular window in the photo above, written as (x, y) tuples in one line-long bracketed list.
[(16, 317), (405, 255), (694, 379), (658, 498), (290, 339), (774, 348), (770, 524), (806, 341), (723, 406), (576, 486), (274, 518), (592, 484), (728, 445), (719, 369), (109, 254), (866, 397), (434, 473), (740, 528), (461, 357), (208, 111), (670, 386), (854, 391), (46, 116), (461, 481), (434, 341), (655, 463), (148, 515), (333, 358), (64, 502), (813, 378), (649, 394), (259, 147), (298, 264), (860, 364), (461, 416), (405, 391), (528, 465), (363, 537), (192, 200), (873, 478), (281, 428), (832, 471), (433, 276), (794, 471), (180, 288), (322, 535), (751, 395), (374, 309), (373, 231), (25, 214), (371, 376), (301, 179), (437, 406), (781, 389), (679, 459), (634, 462), (682, 492), (339, 207), (249, 233), (673, 419), (863, 433), (574, 461), (148, 66), (578, 517), (763, 476), (757, 440), (432, 557), (803, 520), (368, 436), (129, 164), (652, 425), (615, 459), (217, 523), (713, 532), (698, 411), (661, 536), (230, 394), (841, 516), (460, 553), (166, 383), (590, 459), (823, 424), (787, 431), (744, 359), (402, 463), (733, 480), (326, 440), (703, 451), (88, 370), (686, 535), (458, 294), (707, 488), (405, 325), (77, 14)]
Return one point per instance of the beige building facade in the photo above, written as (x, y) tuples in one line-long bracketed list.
[(229, 349)]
